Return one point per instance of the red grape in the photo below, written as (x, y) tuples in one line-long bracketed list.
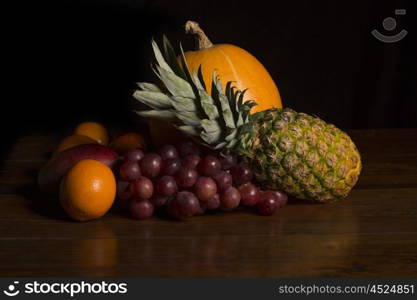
[(141, 209), (150, 165), (133, 154), (241, 174), (129, 170), (186, 177), (202, 209), (228, 161), (142, 188), (205, 188), (187, 147), (268, 204), (213, 202), (281, 196), (159, 201), (123, 191), (250, 194), (168, 152), (191, 161), (123, 195), (170, 166), (230, 198), (209, 166), (165, 186), (223, 180), (184, 205)]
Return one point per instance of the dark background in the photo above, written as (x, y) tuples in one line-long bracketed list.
[(78, 60)]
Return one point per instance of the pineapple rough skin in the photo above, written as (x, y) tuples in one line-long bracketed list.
[(300, 154)]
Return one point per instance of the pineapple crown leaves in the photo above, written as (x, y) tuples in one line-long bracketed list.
[(183, 100)]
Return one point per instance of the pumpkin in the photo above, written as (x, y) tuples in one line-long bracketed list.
[(230, 63)]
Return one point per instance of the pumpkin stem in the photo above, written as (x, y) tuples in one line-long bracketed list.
[(201, 39)]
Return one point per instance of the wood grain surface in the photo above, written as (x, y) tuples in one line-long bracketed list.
[(371, 233)]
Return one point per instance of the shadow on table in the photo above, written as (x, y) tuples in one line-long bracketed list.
[(41, 203)]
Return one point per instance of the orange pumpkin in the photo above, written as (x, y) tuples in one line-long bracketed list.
[(231, 63)]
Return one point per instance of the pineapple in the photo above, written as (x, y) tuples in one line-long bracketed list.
[(290, 151)]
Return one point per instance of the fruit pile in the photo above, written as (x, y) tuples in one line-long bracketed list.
[(183, 182), (197, 97), (89, 174)]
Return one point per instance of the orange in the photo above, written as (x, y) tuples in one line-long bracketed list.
[(88, 190), (128, 141), (74, 140), (94, 130)]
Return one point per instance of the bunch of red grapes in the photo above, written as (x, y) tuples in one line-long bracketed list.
[(182, 182)]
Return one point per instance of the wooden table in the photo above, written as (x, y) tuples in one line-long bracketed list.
[(373, 232)]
